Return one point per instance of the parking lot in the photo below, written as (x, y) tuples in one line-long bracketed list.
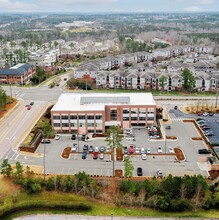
[(184, 132)]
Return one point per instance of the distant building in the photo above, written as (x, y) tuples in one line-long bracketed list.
[(19, 74), (94, 113)]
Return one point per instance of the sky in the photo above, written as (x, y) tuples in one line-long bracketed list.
[(109, 5)]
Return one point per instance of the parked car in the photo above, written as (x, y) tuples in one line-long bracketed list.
[(204, 151), (142, 150), (96, 149), (57, 137), (101, 156), (91, 149), (199, 113), (205, 114), (83, 137), (31, 103), (74, 148), (102, 149), (211, 113), (168, 127), (84, 155), (139, 171), (154, 136), (95, 155), (130, 138), (175, 107), (201, 121), (125, 150), (85, 147), (29, 107), (159, 173), (159, 149), (208, 133), (137, 150), (148, 150), (131, 149), (73, 137), (205, 127), (170, 149), (45, 141), (144, 157), (65, 79)]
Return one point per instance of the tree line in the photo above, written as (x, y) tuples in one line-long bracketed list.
[(172, 193)]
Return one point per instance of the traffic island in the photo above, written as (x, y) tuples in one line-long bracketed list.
[(66, 153), (179, 154)]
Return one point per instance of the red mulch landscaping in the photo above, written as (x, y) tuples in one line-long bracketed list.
[(179, 154), (7, 108), (171, 137), (197, 139), (66, 152)]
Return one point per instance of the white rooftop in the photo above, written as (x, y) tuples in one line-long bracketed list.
[(98, 101)]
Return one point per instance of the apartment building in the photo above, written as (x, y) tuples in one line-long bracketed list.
[(19, 74), (94, 113)]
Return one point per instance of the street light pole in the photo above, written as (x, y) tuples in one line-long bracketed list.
[(165, 144), (44, 161), (216, 99)]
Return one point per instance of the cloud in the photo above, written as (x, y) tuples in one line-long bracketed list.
[(204, 2), (17, 6), (194, 9)]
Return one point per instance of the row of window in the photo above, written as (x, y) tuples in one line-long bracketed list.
[(136, 119), (80, 117), (80, 125)]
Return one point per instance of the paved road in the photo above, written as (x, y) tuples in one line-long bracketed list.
[(80, 217), (16, 125)]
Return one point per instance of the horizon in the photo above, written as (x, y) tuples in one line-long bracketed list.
[(109, 6)]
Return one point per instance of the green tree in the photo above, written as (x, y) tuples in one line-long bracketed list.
[(188, 78), (113, 140), (18, 174), (6, 168), (128, 167), (162, 81), (3, 98)]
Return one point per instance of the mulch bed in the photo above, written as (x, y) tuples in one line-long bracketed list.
[(197, 139), (7, 108), (171, 137), (179, 154), (66, 152)]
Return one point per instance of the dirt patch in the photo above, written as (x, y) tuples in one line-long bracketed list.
[(119, 154), (197, 139), (7, 108), (179, 154), (66, 152), (214, 174)]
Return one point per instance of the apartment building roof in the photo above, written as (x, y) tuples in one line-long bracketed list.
[(97, 102), (19, 69)]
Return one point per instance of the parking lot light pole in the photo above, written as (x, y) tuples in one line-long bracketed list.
[(216, 99), (44, 162), (78, 140), (165, 145)]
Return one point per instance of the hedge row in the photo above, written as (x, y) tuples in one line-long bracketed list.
[(40, 206)]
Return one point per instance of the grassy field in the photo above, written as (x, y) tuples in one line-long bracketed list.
[(12, 197)]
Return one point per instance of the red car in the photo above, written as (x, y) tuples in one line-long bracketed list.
[(131, 150), (95, 155), (29, 107), (199, 113)]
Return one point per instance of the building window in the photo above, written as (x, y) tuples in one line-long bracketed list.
[(113, 115), (90, 124), (90, 117), (98, 131), (134, 118), (142, 118), (72, 124), (125, 118), (98, 117), (57, 125), (64, 116), (82, 117), (56, 117), (73, 117), (81, 125), (64, 124), (90, 131), (125, 111)]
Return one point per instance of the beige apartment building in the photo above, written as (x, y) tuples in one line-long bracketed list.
[(94, 113)]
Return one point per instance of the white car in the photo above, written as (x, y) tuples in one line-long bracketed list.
[(96, 149), (159, 172), (101, 156), (170, 149), (57, 136), (74, 148), (148, 150), (137, 150), (159, 149), (144, 157), (142, 150), (205, 114)]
